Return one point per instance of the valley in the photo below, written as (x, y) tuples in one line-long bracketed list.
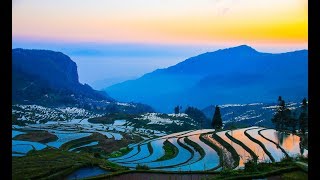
[(196, 151), (84, 133)]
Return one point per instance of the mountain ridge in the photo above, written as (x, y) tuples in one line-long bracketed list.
[(165, 88), (50, 78)]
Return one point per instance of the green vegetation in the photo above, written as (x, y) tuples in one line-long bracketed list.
[(170, 151), (217, 120), (285, 119), (134, 121), (226, 145), (123, 151), (304, 140), (263, 170), (198, 116), (250, 166), (261, 144), (253, 155), (150, 148), (37, 136), (302, 158), (171, 128), (55, 164), (110, 117), (255, 170), (177, 109), (303, 119), (298, 175), (233, 126), (105, 147), (142, 167), (196, 147), (15, 121), (82, 141)]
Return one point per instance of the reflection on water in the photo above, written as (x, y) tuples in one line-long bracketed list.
[(276, 152), (244, 155), (158, 151), (210, 161), (200, 131), (86, 172), (289, 142), (256, 148)]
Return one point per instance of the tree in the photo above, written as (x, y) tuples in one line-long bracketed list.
[(177, 109), (282, 118), (303, 119), (277, 117), (198, 116), (293, 122), (217, 120)]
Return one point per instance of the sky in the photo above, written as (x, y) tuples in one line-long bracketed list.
[(112, 40)]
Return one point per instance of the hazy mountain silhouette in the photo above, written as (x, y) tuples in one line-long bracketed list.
[(233, 75), (36, 74)]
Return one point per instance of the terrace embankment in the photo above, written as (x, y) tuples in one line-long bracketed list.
[(37, 136)]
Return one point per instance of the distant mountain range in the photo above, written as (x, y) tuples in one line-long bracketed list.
[(50, 79), (234, 75), (253, 114)]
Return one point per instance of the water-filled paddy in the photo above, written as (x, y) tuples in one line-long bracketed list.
[(64, 137), (289, 142), (143, 153), (86, 145), (86, 172), (133, 152), (26, 146), (276, 152), (16, 133), (244, 155), (158, 152), (256, 148), (182, 157)]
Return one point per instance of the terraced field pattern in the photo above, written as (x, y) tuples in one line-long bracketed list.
[(192, 150), (206, 149)]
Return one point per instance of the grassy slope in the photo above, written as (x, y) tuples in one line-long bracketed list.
[(37, 136), (105, 146), (283, 170), (170, 151), (55, 164)]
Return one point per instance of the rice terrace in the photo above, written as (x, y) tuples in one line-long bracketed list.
[(155, 89), (194, 152)]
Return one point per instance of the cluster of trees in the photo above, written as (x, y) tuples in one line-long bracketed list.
[(285, 119), (198, 116), (177, 109)]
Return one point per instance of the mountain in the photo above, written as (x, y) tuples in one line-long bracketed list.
[(50, 79), (233, 75), (252, 114)]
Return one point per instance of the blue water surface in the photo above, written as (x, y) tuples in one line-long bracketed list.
[(86, 172)]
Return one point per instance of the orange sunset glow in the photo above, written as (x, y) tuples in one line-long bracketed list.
[(163, 22)]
